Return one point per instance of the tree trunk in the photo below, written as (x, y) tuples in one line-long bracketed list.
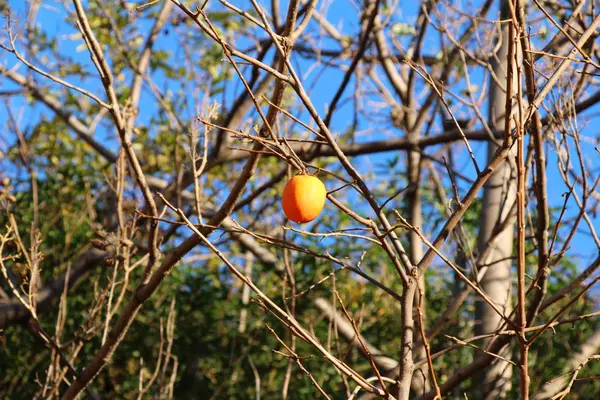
[(421, 380), (498, 196)]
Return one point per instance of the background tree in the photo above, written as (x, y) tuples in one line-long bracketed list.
[(499, 196), (145, 146)]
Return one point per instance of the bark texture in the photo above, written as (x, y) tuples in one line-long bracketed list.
[(498, 196)]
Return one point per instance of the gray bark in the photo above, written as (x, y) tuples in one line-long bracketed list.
[(421, 381), (498, 196)]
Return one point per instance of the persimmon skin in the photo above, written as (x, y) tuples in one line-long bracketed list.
[(303, 198)]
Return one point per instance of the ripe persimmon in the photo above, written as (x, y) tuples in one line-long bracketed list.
[(303, 198)]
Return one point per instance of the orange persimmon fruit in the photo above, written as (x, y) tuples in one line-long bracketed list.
[(303, 198)]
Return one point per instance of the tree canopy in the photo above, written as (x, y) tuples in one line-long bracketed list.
[(144, 151)]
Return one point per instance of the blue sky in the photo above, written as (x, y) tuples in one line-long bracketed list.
[(343, 15)]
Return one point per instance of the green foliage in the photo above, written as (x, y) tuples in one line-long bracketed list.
[(76, 200)]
